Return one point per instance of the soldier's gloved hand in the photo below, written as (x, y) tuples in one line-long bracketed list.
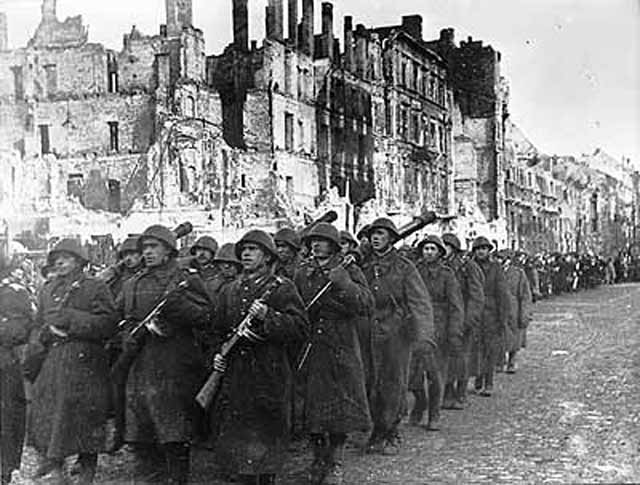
[(158, 327), (131, 343), (258, 310), (339, 277), (219, 363)]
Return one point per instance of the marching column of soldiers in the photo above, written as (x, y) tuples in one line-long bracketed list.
[(314, 335)]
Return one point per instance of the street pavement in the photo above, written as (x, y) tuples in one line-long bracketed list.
[(571, 413)]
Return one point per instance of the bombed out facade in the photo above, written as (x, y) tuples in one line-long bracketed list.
[(377, 120)]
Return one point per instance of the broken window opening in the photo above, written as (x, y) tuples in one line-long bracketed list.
[(113, 136), (288, 131), (45, 142), (51, 74), (115, 195), (18, 83), (112, 82), (75, 183)]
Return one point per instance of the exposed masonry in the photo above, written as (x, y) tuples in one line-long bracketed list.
[(389, 120)]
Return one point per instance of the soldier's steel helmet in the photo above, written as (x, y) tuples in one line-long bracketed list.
[(432, 239), (384, 223), (323, 230), (452, 240), (161, 233), (259, 237), (70, 246), (205, 242), (288, 236), (227, 254), (347, 236), (129, 245), (481, 242)]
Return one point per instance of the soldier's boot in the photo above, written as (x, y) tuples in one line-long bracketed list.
[(419, 407), (392, 442), (47, 466), (450, 400), (487, 390), (88, 463), (375, 442), (177, 462), (318, 468), (335, 459), (511, 363), (478, 384), (461, 390), (149, 465)]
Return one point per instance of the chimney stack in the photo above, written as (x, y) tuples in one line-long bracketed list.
[(348, 43), (293, 22), (49, 10), (327, 30), (361, 51), (412, 24), (306, 28), (240, 25), (179, 15), (4, 32), (274, 18)]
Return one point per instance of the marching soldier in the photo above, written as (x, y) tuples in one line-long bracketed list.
[(168, 366), (402, 322), (288, 246), (336, 399), (70, 402), (252, 408), (448, 314), (520, 306), (349, 245), (203, 253), (495, 317), (471, 282), (130, 263), (16, 318)]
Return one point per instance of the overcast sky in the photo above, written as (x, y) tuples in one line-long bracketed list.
[(573, 65)]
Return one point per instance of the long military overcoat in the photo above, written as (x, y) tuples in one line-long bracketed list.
[(70, 398), (402, 321), (252, 410), (520, 306), (336, 398), (471, 282), (448, 315), (168, 371), (490, 343), (16, 318)]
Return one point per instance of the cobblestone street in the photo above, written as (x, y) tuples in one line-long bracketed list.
[(571, 413)]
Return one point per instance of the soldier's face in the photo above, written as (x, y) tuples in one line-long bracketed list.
[(483, 252), (448, 250), (228, 270), (203, 256), (430, 252), (132, 259), (380, 239), (253, 257), (154, 252), (65, 263), (321, 248), (346, 246), (285, 251)]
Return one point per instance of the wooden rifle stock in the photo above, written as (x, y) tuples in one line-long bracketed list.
[(210, 388)]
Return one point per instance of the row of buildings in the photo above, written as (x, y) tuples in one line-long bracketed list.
[(377, 121)]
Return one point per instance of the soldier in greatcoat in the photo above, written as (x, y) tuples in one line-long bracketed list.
[(130, 262), (336, 399), (252, 407), (70, 401), (448, 314), (349, 245), (168, 365), (402, 322), (288, 245), (495, 317), (203, 254), (16, 320), (471, 282), (520, 306)]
